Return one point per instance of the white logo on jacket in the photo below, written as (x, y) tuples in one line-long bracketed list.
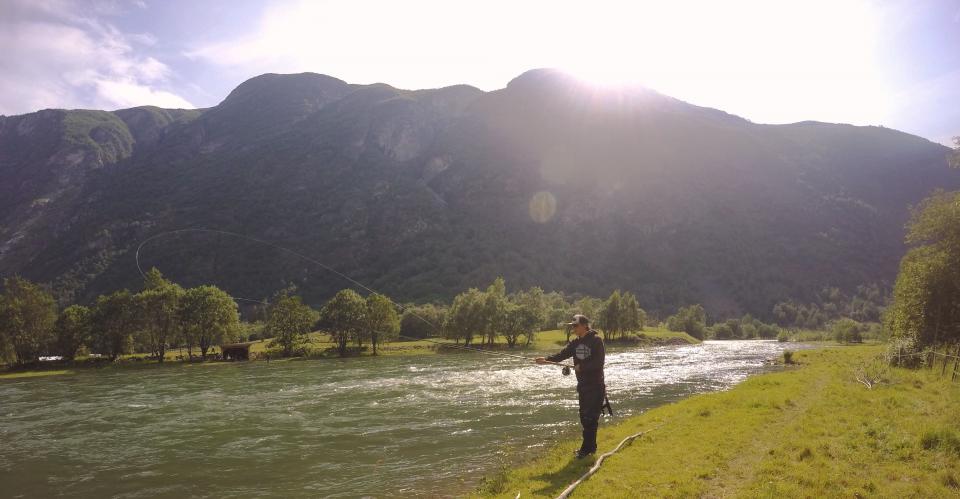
[(583, 352)]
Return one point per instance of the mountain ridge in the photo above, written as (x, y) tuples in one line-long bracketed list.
[(426, 192)]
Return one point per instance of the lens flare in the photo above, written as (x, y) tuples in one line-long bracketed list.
[(542, 207)]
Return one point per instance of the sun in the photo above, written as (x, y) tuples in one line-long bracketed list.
[(605, 74)]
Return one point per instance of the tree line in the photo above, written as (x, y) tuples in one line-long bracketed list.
[(692, 319), (925, 312), (481, 316), (162, 315), (831, 304)]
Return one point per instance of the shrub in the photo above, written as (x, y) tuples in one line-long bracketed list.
[(903, 352), (788, 357), (783, 337), (768, 331), (721, 331), (875, 331), (847, 331), (942, 439), (873, 372)]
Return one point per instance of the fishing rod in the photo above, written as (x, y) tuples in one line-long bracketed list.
[(566, 367)]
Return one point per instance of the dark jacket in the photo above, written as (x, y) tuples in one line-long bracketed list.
[(588, 353)]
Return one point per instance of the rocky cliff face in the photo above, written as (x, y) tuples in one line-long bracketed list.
[(548, 182)]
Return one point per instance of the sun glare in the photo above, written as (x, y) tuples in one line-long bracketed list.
[(771, 62)]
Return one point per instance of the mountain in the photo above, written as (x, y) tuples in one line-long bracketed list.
[(421, 194)]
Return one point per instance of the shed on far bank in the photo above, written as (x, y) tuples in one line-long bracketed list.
[(236, 351)]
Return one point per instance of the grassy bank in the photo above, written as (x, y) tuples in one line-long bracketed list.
[(321, 346), (809, 431), (34, 374)]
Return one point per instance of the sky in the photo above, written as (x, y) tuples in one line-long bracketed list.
[(894, 63)]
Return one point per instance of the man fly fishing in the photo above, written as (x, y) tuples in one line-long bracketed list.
[(588, 357)]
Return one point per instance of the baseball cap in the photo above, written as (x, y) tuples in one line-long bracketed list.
[(579, 319)]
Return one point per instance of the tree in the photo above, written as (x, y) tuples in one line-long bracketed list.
[(343, 317), (27, 318), (209, 316), (73, 330), (611, 317), (847, 330), (158, 311), (381, 319), (465, 316), (534, 309), (6, 351), (768, 331), (588, 306), (736, 331), (691, 320), (153, 279), (785, 313), (519, 321), (558, 310), (422, 321), (114, 320), (632, 317), (926, 296), (494, 315), (289, 323), (721, 331)]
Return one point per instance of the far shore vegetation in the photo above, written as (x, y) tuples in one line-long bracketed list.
[(164, 322)]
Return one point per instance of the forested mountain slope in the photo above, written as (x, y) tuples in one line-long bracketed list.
[(421, 194)]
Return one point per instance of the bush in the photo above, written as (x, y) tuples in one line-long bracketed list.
[(903, 352), (942, 439), (875, 331), (872, 372), (847, 331), (802, 336), (720, 331), (691, 320), (251, 331), (788, 357), (783, 337), (767, 331)]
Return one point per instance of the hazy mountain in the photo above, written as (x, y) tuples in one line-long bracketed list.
[(424, 193)]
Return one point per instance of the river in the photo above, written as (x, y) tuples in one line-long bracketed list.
[(391, 426)]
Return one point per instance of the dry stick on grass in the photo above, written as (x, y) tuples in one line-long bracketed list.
[(596, 466), (871, 373)]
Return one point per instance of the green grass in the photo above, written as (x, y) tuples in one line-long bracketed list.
[(544, 340), (808, 431), (33, 374)]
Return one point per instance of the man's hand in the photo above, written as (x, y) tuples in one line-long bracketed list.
[(540, 360), (576, 368)]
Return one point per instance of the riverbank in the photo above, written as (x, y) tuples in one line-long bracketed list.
[(320, 347), (810, 430)]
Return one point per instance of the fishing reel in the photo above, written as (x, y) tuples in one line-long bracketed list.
[(566, 370)]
